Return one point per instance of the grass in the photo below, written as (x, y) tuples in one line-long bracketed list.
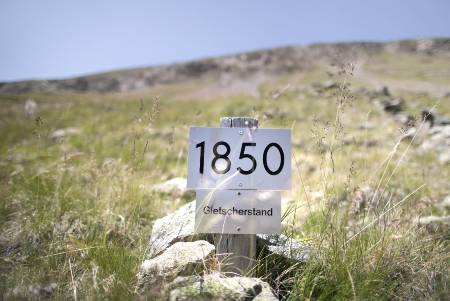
[(77, 210), (433, 69)]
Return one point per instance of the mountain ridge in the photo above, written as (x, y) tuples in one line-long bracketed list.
[(273, 61)]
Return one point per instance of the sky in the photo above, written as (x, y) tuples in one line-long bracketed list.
[(43, 39)]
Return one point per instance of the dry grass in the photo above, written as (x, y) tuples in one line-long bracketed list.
[(76, 210)]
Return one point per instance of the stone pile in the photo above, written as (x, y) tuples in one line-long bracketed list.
[(431, 135), (181, 265)]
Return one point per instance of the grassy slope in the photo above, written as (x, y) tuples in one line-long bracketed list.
[(78, 211)]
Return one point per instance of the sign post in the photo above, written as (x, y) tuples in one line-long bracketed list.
[(238, 171), (239, 249)]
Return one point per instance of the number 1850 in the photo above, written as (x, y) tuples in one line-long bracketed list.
[(242, 155)]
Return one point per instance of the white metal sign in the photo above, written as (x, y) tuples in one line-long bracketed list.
[(239, 158), (238, 212)]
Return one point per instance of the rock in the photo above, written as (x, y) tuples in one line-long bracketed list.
[(33, 291), (283, 247), (180, 259), (179, 226), (441, 132), (445, 202), (410, 133), (362, 198), (69, 226), (434, 119), (444, 157), (439, 141), (30, 107), (405, 119), (436, 224), (366, 126), (385, 91), (393, 106), (172, 186), (61, 133), (216, 287), (323, 87)]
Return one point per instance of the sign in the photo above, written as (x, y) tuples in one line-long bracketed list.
[(238, 212), (239, 158)]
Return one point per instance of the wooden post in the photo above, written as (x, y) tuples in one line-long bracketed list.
[(236, 252)]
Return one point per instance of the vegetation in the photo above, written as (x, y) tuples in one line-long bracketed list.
[(77, 205)]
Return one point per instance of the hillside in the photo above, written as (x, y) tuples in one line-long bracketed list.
[(84, 164), (264, 63)]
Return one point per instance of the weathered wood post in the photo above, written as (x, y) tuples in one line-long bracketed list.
[(236, 252)]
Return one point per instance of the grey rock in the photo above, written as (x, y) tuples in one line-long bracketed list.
[(323, 87), (364, 198), (177, 226), (366, 126), (217, 287), (180, 259), (30, 107), (434, 118), (439, 141), (405, 119), (283, 246), (172, 186), (441, 131), (436, 224), (32, 291), (68, 225), (410, 133), (385, 91), (393, 106), (444, 157), (445, 202), (61, 133)]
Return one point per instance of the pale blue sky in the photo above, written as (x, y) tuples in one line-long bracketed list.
[(57, 39)]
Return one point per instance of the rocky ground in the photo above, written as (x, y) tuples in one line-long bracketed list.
[(93, 172)]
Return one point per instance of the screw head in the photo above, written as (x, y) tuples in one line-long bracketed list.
[(241, 132), (240, 185), (238, 229)]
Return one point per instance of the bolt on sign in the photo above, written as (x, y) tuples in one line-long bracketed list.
[(238, 174)]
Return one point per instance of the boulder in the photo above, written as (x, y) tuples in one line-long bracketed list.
[(180, 259), (218, 287), (172, 186), (179, 226)]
